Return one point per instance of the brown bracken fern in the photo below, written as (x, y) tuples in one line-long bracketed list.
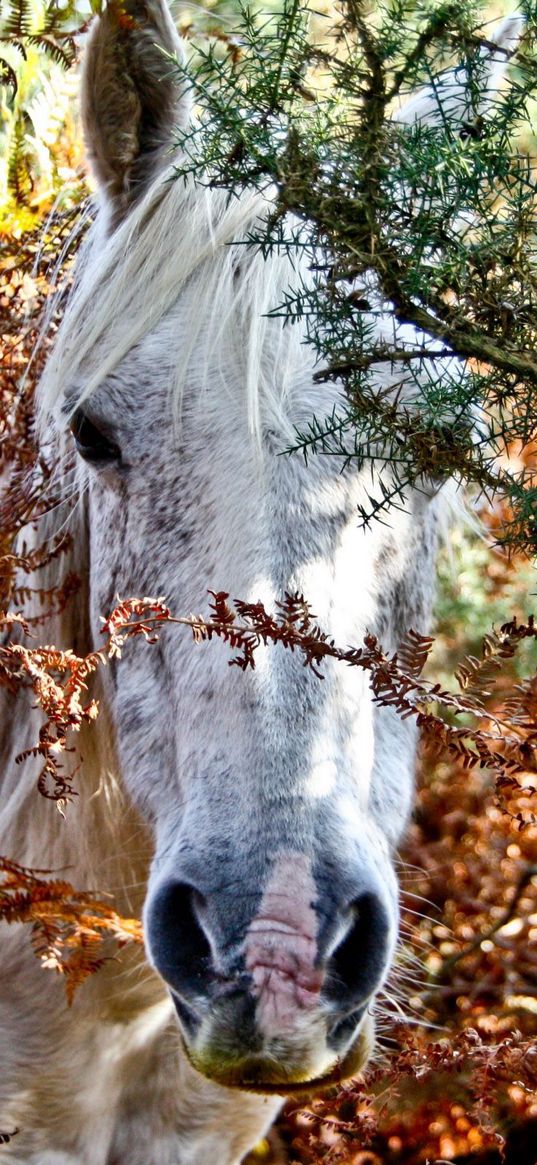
[(69, 928), (504, 740)]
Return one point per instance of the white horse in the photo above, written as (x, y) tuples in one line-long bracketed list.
[(254, 815)]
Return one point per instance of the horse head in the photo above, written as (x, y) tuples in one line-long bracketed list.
[(275, 800)]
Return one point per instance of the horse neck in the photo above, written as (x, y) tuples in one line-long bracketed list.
[(100, 837)]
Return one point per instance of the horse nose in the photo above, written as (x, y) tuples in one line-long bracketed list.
[(178, 940), (199, 955), (358, 959)]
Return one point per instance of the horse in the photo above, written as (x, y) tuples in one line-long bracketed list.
[(252, 817)]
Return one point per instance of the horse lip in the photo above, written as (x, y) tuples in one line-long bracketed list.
[(342, 1069)]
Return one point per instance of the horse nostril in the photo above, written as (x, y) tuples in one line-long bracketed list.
[(357, 966), (178, 944)]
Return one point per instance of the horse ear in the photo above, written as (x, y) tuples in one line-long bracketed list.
[(132, 97), (448, 99)]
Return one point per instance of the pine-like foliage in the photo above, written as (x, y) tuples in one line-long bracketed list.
[(429, 224)]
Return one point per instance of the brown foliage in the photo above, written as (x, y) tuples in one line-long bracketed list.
[(5, 1138), (504, 740), (59, 682), (68, 927), (467, 1090), (29, 265), (446, 1100)]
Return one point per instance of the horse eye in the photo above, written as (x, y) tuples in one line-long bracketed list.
[(91, 443)]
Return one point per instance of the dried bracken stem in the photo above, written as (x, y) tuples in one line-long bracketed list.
[(508, 747), (504, 743), (5, 1138)]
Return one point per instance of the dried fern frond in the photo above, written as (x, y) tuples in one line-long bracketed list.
[(444, 1097), (494, 740), (73, 931)]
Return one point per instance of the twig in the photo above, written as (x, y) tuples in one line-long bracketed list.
[(529, 872)]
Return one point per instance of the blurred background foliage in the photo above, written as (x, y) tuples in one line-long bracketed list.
[(468, 964)]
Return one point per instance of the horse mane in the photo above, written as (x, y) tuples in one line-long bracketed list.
[(128, 280)]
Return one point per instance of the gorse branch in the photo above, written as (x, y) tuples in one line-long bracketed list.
[(426, 226)]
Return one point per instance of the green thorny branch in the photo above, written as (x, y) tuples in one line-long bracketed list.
[(418, 290)]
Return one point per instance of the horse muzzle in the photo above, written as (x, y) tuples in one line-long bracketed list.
[(291, 1067), (277, 1002)]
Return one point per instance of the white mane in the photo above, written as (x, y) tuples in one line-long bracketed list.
[(128, 281)]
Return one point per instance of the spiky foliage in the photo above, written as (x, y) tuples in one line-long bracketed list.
[(430, 225)]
